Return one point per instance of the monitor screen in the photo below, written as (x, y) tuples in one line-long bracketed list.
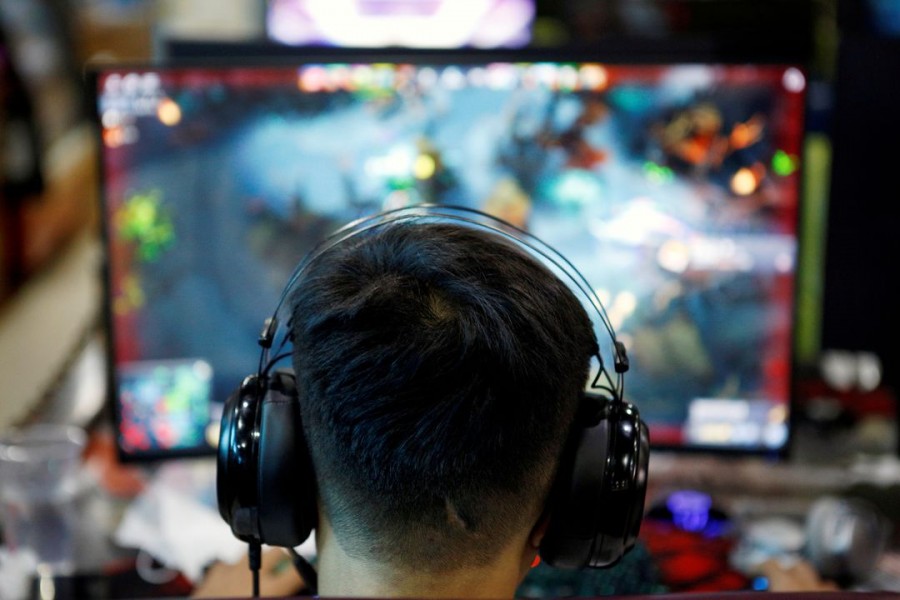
[(417, 24), (672, 187)]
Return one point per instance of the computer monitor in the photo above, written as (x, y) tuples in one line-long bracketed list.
[(673, 187)]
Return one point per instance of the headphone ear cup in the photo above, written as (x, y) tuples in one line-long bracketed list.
[(625, 487), (598, 502), (264, 480), (236, 476), (286, 484)]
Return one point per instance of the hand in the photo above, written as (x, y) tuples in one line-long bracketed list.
[(277, 577), (798, 576)]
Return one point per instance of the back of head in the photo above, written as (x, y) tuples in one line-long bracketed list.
[(439, 370)]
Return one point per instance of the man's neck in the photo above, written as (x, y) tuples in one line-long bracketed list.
[(341, 575)]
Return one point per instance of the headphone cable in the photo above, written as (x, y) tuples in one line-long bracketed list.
[(306, 572), (255, 559)]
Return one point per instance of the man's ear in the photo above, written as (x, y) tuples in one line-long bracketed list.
[(535, 537), (539, 530)]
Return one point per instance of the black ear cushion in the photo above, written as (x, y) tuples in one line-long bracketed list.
[(598, 501), (575, 502), (286, 488)]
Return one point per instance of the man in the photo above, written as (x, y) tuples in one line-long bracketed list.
[(439, 370)]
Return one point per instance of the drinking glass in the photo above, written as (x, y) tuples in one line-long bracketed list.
[(39, 467)]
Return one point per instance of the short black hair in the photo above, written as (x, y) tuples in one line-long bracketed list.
[(439, 371)]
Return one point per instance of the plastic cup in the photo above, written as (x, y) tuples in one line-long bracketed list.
[(39, 468)]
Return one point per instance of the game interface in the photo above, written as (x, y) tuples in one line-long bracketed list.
[(673, 188)]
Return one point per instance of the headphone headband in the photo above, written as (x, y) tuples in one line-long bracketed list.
[(474, 219)]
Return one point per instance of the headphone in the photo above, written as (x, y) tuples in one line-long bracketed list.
[(265, 480)]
